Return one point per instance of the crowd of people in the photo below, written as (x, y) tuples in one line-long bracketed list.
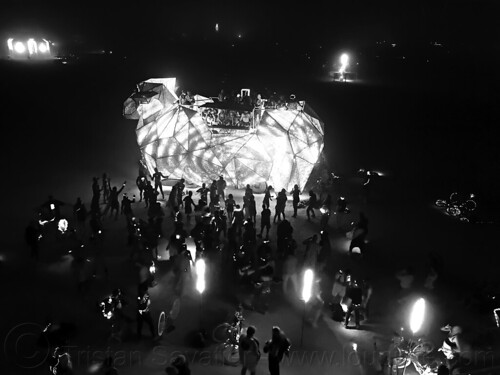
[(225, 232)]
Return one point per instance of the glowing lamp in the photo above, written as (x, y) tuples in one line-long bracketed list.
[(19, 47), (152, 268), (200, 275), (307, 285), (354, 346), (42, 48), (52, 206), (9, 44), (417, 315)]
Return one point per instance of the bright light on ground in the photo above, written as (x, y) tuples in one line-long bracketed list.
[(200, 275), (307, 286), (417, 315)]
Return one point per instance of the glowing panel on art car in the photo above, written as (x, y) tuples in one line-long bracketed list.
[(202, 141)]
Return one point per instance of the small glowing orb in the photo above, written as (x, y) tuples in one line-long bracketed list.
[(62, 225), (307, 285), (216, 27), (42, 48), (354, 346), (19, 47), (417, 315)]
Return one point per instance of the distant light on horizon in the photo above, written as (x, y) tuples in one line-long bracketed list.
[(216, 27), (19, 47)]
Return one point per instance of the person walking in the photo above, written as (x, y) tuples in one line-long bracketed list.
[(311, 205), (106, 187), (295, 199), (249, 351), (156, 177), (230, 203), (203, 195), (276, 347), (144, 313), (188, 206)]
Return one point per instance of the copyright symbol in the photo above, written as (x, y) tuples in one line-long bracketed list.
[(21, 346)]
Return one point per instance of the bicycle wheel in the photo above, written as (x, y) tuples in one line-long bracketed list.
[(231, 355), (221, 332), (441, 203), (470, 205), (161, 323)]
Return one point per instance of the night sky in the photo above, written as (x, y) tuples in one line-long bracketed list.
[(129, 25)]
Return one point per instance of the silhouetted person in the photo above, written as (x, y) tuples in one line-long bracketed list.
[(126, 208), (144, 313), (267, 196), (180, 185), (276, 347), (203, 194), (295, 199), (96, 190), (221, 188), (106, 187), (141, 182), (150, 194), (280, 205), (157, 176), (230, 203), (355, 293), (311, 205), (188, 206), (265, 220), (113, 203), (213, 191)]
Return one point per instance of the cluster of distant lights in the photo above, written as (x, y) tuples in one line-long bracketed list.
[(31, 46)]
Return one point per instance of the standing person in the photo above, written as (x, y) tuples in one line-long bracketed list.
[(252, 209), (355, 294), (221, 187), (188, 206), (149, 193), (126, 208), (203, 195), (180, 192), (230, 203), (276, 347), (96, 190), (106, 187), (144, 313), (367, 289), (238, 219), (113, 204), (265, 220), (311, 205), (141, 183), (280, 205), (295, 199), (156, 177), (213, 191), (267, 197), (249, 351), (172, 197)]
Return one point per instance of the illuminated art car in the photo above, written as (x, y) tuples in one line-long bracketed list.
[(206, 139)]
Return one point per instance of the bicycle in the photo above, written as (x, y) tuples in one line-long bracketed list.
[(457, 206), (409, 352), (228, 335)]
